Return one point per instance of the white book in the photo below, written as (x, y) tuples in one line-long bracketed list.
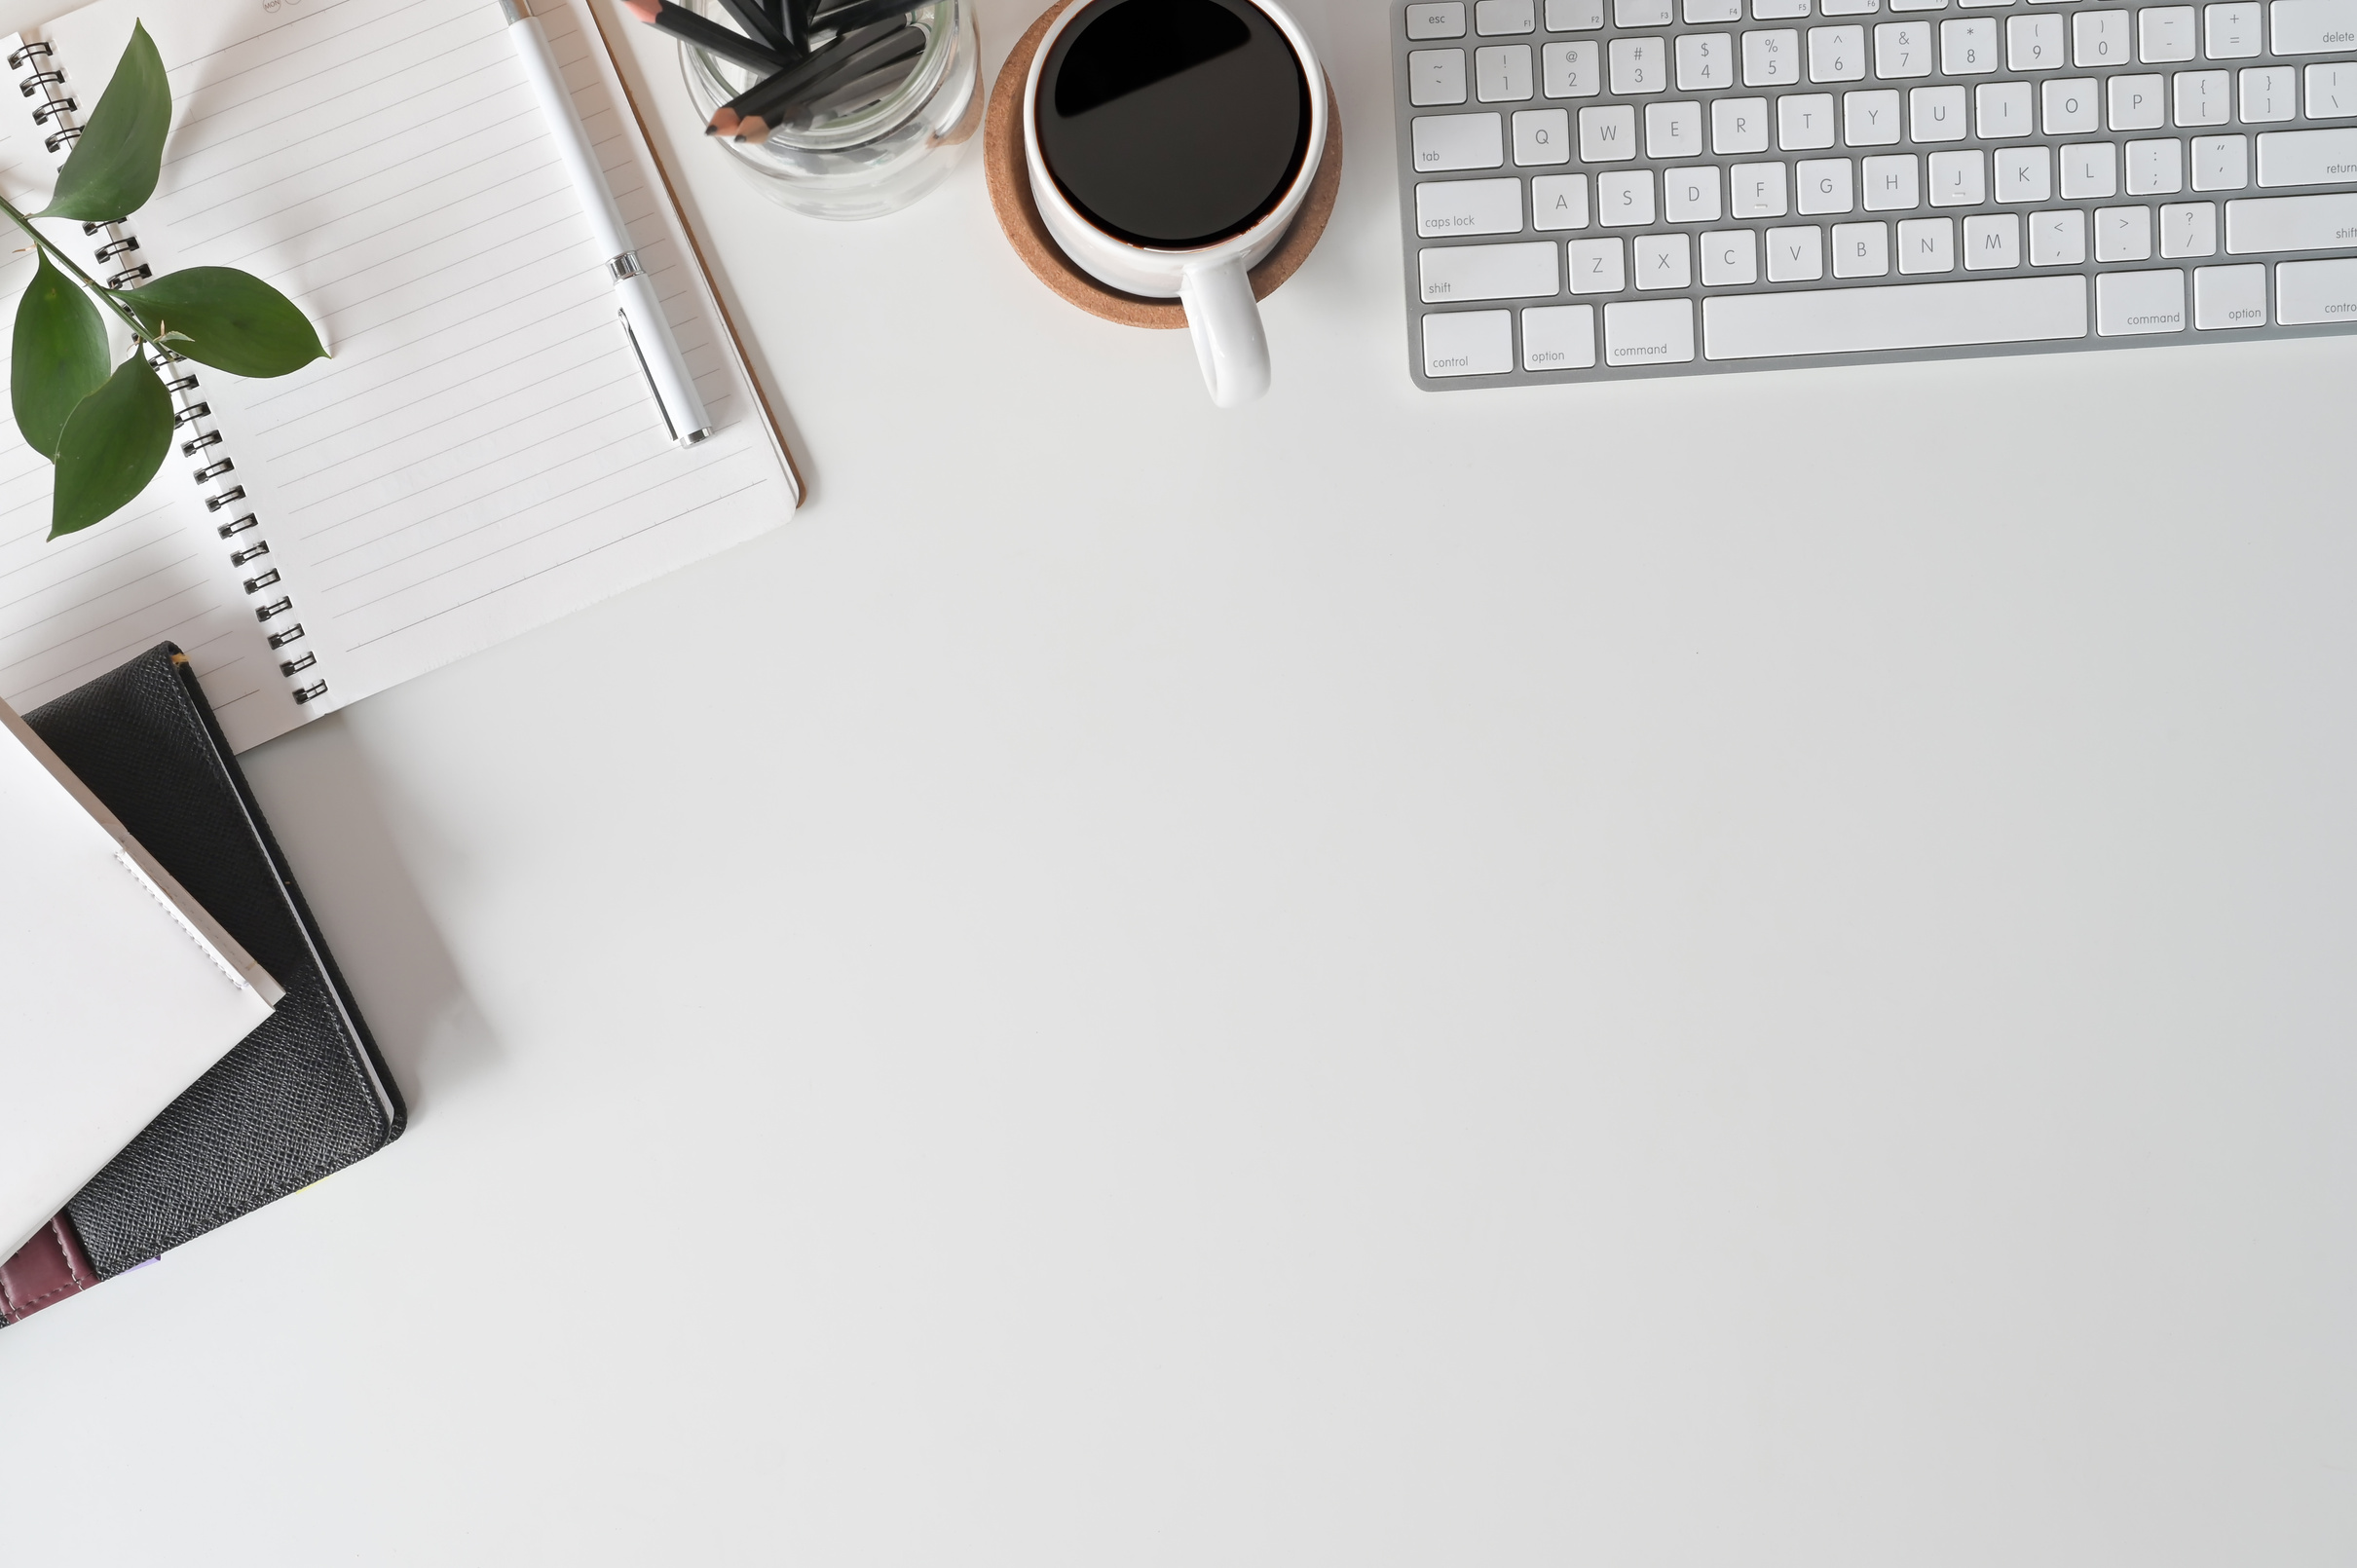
[(117, 990), (482, 452)]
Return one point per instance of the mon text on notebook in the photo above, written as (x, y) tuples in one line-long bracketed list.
[(480, 454)]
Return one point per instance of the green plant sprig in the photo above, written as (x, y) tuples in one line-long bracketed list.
[(108, 433)]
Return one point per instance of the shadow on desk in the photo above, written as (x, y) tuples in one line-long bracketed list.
[(352, 861)]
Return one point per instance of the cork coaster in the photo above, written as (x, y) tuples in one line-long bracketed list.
[(1019, 214)]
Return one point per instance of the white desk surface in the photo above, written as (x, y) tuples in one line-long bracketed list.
[(1749, 971)]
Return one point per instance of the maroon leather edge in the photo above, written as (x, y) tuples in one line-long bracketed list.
[(45, 1271)]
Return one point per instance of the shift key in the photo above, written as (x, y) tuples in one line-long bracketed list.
[(1456, 273)]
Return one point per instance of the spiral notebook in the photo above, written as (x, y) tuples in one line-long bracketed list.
[(480, 454)]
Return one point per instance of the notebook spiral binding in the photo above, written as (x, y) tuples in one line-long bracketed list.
[(197, 438)]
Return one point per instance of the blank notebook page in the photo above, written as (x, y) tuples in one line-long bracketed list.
[(482, 453)]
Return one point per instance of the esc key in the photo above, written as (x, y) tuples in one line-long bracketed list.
[(1442, 18)]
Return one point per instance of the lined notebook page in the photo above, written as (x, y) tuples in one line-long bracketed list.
[(79, 607), (482, 453)]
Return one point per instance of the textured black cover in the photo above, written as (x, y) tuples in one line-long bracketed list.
[(297, 1099)]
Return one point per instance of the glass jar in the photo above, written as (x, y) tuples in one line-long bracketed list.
[(877, 159)]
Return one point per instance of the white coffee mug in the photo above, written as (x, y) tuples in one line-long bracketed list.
[(1212, 283)]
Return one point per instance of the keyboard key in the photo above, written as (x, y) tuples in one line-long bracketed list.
[(2204, 98), (1993, 242), (1837, 53), (1937, 114), (2221, 162), (1639, 65), (2136, 102), (1473, 343), (2331, 92), (2291, 223), (1445, 20), (1596, 267), (1969, 48), (1870, 118), (1958, 179), (1449, 209), (1699, 13), (1642, 13), (1445, 144), (1655, 332), (1624, 199), (2131, 304), (1502, 75), (2004, 108), (2189, 228), (1804, 121), (1705, 61), (1926, 245), (1559, 202), (2165, 35), (2230, 32), (1574, 16), (2058, 239), (1663, 261), (1730, 257), (1690, 194), (2034, 42), (1778, 10), (1892, 183), (1558, 337), (2024, 174), (1757, 190), (2100, 38), (2156, 167), (1498, 19), (2230, 297), (1897, 316), (2308, 157), (1738, 125), (1542, 137), (2071, 106), (1462, 273), (1674, 131), (2269, 94), (1902, 48), (1572, 70), (1771, 58), (2090, 170), (2311, 291), (1826, 185), (2123, 234), (1436, 76), (1862, 249), (1796, 255), (2314, 26), (1608, 136)]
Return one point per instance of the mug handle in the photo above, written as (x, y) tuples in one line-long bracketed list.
[(1224, 321)]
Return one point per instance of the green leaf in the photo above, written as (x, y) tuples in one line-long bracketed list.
[(120, 152), (226, 319), (59, 358), (115, 440)]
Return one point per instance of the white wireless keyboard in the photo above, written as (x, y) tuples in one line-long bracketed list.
[(1613, 188)]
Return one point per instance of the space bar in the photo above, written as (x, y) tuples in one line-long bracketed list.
[(1906, 316)]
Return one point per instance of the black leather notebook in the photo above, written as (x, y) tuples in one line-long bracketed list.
[(300, 1097)]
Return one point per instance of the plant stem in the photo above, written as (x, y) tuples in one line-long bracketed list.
[(67, 262)]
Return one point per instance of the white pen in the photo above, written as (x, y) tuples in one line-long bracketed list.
[(643, 319)]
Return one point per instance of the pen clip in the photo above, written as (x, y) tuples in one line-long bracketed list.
[(648, 371)]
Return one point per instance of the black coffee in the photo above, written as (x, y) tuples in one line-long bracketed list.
[(1174, 124)]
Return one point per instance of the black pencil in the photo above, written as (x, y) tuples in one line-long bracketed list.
[(757, 102), (862, 12), (753, 15), (705, 33)]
